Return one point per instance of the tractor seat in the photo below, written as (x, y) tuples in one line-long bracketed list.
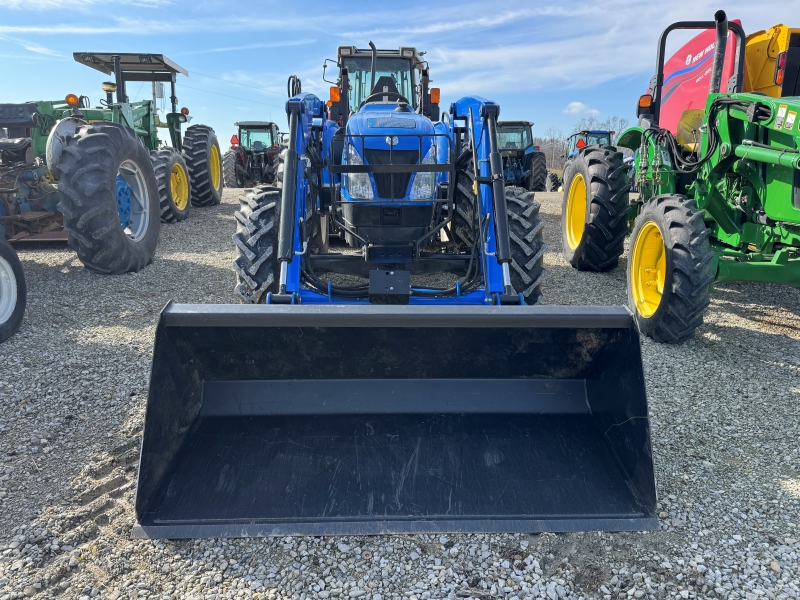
[(690, 122), (385, 84), (259, 146), (15, 143)]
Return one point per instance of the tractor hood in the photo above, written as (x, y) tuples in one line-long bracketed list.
[(382, 125)]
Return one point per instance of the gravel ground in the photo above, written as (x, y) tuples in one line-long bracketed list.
[(725, 409)]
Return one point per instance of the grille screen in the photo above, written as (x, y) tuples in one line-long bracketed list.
[(391, 185)]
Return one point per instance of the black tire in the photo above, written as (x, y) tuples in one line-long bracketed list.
[(256, 239), (605, 221), (87, 175), (551, 183), (527, 247), (229, 175), (464, 222), (199, 146), (168, 163), (688, 275), (538, 172), (13, 291)]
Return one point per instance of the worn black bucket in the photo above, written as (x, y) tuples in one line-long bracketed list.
[(281, 420)]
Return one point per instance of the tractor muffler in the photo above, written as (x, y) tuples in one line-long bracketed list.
[(370, 419)]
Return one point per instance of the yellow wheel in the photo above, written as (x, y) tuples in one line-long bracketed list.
[(595, 208), (179, 186), (648, 269), (174, 184), (215, 167), (575, 212), (669, 268)]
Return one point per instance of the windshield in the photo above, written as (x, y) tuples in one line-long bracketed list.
[(517, 138), (250, 137), (360, 73)]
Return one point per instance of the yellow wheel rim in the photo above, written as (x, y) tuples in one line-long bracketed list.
[(576, 210), (648, 269), (215, 168), (179, 186)]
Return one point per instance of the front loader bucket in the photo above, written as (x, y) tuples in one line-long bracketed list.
[(313, 420)]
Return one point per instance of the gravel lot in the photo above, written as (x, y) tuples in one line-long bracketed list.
[(725, 415)]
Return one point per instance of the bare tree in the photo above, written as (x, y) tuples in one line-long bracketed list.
[(554, 145)]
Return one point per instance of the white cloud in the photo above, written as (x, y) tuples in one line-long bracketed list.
[(579, 108)]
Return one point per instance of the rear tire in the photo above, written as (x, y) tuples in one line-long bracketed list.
[(13, 291), (174, 185), (594, 216), (88, 179), (229, 174), (669, 270), (527, 247), (536, 181), (256, 239), (204, 159), (551, 183)]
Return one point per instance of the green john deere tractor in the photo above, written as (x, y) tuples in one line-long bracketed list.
[(719, 201), (100, 174)]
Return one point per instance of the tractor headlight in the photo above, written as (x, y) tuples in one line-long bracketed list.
[(358, 184), (424, 184)]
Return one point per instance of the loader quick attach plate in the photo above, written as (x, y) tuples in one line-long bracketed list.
[(312, 420)]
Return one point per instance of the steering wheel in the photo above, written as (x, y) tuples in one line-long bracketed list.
[(391, 96)]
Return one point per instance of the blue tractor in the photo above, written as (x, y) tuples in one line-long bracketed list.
[(400, 186), (524, 164), (347, 396)]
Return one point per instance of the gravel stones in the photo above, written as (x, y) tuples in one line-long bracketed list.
[(724, 412)]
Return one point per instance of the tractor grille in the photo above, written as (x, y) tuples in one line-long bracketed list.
[(385, 181)]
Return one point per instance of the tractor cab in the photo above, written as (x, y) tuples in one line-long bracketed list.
[(514, 137), (584, 139), (375, 75), (256, 136)]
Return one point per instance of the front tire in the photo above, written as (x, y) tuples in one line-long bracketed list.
[(256, 239), (13, 291), (669, 270), (204, 159), (109, 198), (174, 185), (594, 217), (527, 246)]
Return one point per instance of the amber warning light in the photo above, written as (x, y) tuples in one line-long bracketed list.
[(71, 100)]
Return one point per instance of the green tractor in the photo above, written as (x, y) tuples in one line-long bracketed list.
[(100, 174), (718, 202)]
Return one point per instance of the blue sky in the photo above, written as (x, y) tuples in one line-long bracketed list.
[(544, 61)]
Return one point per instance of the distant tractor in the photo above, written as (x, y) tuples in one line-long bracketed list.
[(254, 155), (524, 165), (100, 174)]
